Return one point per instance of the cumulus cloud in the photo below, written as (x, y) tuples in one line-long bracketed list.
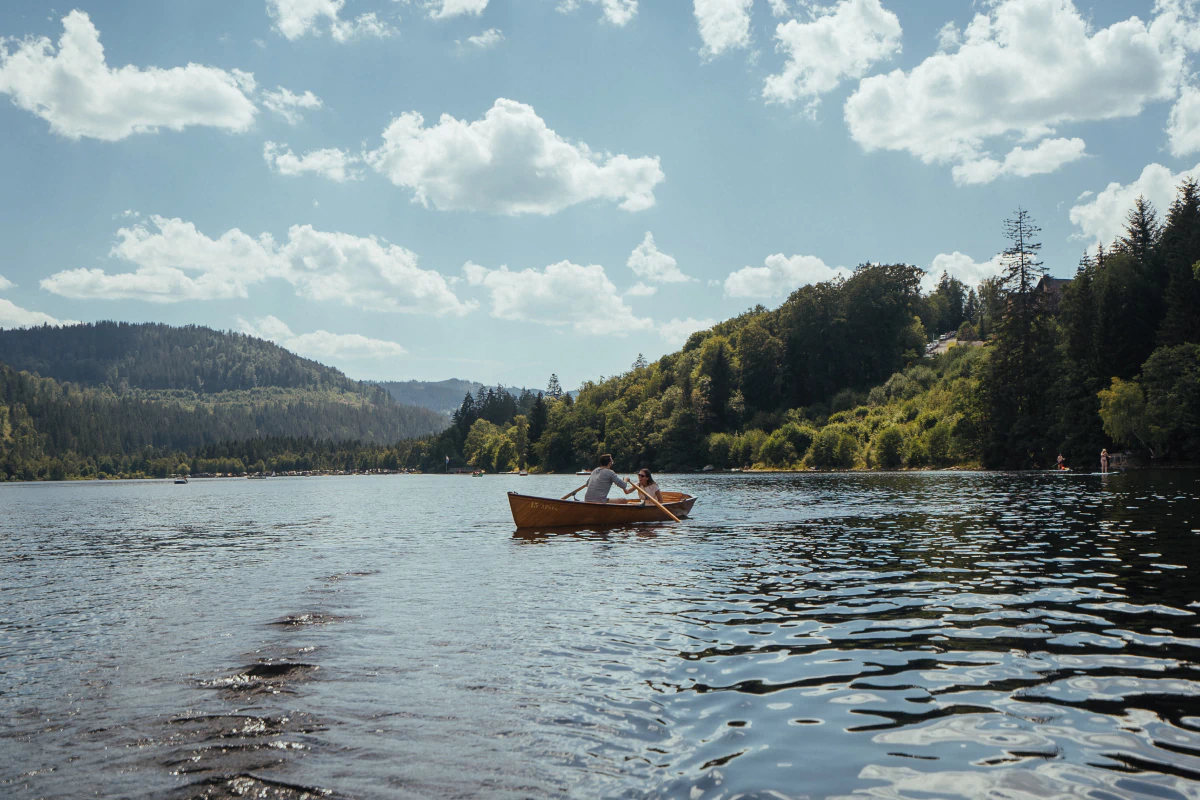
[(842, 41), (319, 345), (290, 105), (779, 8), (489, 38), (1019, 70), (509, 162), (724, 25), (74, 89), (174, 262), (1048, 156), (1183, 126), (336, 165), (961, 266), (456, 8), (1101, 219), (297, 18), (677, 331), (561, 295), (648, 263), (780, 276), (13, 316), (640, 289), (617, 12)]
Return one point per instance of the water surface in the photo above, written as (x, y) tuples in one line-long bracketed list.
[(866, 635)]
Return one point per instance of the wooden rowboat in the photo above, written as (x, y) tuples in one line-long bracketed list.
[(546, 512)]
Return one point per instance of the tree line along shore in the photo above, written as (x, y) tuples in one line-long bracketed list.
[(840, 376)]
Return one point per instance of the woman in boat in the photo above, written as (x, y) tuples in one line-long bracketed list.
[(646, 484)]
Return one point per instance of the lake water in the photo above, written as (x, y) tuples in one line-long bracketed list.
[(864, 635)]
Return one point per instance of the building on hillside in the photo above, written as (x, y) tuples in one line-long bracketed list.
[(1051, 289)]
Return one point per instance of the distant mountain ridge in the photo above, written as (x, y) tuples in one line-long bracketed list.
[(441, 396)]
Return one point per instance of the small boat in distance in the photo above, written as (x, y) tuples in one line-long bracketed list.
[(546, 512), (584, 472), (181, 479), (522, 473), (256, 477)]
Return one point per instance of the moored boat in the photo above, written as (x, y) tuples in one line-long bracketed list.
[(546, 512)]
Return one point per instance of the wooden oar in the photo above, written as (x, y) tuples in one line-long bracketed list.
[(572, 494), (655, 501)]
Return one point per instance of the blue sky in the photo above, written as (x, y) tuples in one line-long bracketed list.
[(501, 189)]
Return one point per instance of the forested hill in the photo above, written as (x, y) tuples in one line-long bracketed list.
[(128, 399), (124, 355)]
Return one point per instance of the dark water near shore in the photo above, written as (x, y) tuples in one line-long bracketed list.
[(873, 635)]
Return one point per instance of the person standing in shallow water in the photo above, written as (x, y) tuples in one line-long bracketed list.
[(1104, 460), (602, 479), (1062, 462)]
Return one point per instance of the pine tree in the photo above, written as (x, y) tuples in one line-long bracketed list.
[(640, 363), (1181, 251), (1022, 371), (554, 389)]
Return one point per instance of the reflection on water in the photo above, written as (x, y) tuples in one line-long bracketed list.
[(893, 635)]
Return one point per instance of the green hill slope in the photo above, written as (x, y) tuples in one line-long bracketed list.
[(75, 396)]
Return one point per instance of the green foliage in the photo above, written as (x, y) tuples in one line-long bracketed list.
[(888, 446), (834, 447), (1123, 410)]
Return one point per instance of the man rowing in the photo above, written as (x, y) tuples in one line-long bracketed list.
[(602, 479)]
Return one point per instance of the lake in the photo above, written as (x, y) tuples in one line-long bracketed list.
[(902, 635)]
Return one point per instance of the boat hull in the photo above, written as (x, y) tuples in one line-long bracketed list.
[(545, 512)]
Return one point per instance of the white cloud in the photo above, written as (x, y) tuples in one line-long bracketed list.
[(288, 105), (1102, 219), (320, 345), (724, 25), (175, 262), (780, 276), (297, 18), (617, 12), (454, 8), (563, 294), (13, 316), (1024, 67), (1183, 127), (336, 165), (961, 266), (509, 162), (677, 331), (949, 38), (649, 264), (779, 8), (640, 289), (489, 38), (74, 90), (842, 41), (1048, 156)]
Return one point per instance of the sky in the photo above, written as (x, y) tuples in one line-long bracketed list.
[(501, 189)]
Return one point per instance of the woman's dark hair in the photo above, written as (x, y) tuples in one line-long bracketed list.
[(605, 460), (646, 472)]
